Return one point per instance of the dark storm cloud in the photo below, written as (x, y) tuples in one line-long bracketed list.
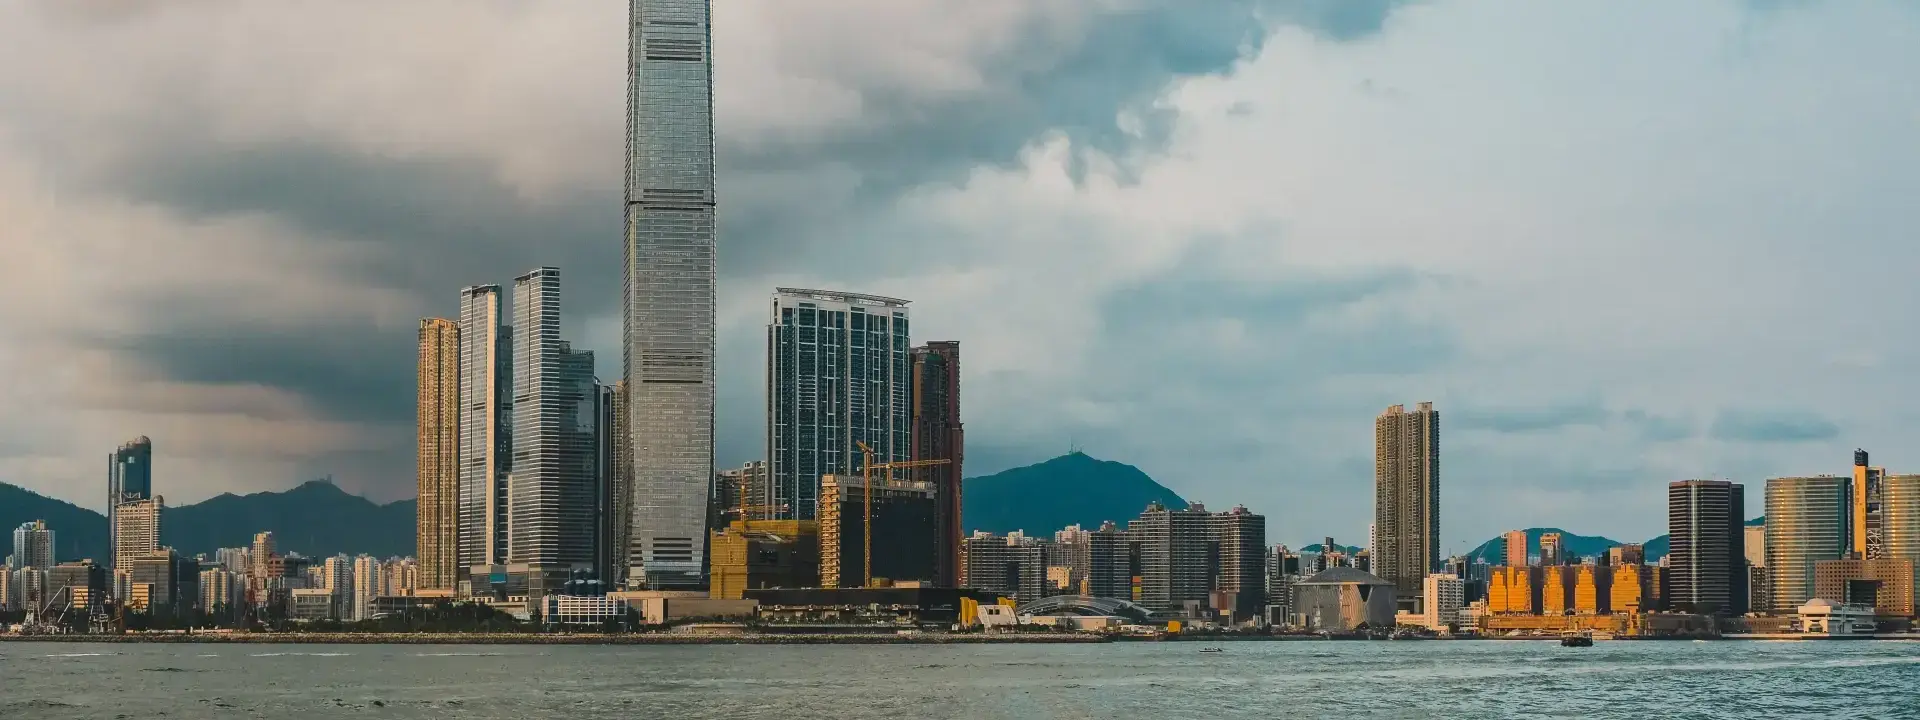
[(348, 371), (1659, 428), (1769, 426)]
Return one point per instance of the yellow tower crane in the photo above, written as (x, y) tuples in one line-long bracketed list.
[(866, 477)]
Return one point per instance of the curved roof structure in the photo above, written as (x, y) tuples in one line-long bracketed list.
[(1083, 605), (1343, 576)]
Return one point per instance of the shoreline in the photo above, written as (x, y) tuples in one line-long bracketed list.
[(541, 639)]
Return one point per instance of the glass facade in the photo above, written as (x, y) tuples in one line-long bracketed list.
[(669, 287), (485, 432), (839, 372), (1900, 513), (1807, 521), (551, 489), (129, 479)]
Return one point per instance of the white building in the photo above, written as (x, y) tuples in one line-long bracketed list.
[(336, 576), (1823, 617), (1443, 596), (369, 581), (592, 610)]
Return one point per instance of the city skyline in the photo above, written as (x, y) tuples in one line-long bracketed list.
[(1119, 285)]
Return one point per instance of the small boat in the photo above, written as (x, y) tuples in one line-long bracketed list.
[(1576, 641), (1211, 650)]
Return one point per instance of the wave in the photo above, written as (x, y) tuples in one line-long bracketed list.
[(302, 654), (458, 654), (80, 655)]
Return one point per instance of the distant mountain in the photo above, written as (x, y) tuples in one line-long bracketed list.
[(1658, 547), (314, 519), (1320, 547), (1495, 551), (1071, 489), (77, 532)]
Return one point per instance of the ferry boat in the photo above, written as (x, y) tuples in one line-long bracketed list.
[(1211, 650), (1576, 640)]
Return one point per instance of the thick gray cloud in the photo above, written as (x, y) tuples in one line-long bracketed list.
[(1212, 240)]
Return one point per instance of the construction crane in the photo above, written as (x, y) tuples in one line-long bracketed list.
[(866, 477), (758, 512)]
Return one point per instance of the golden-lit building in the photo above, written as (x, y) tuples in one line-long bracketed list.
[(1512, 590), (1890, 579), (1516, 548), (1590, 590), (1629, 592), (438, 418), (1556, 590), (763, 554)]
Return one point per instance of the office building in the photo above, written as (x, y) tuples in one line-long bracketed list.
[(1866, 526), (1756, 545), (668, 304), (1240, 538), (552, 488), (486, 439), (310, 604), (1406, 500), (938, 434), (437, 454), (609, 551), (838, 376), (1516, 548), (762, 554), (1627, 554), (1885, 584), (902, 538), (1444, 596), (129, 479), (1552, 552), (1900, 513), (1708, 556), (1013, 565), (136, 531), (33, 546), (1806, 524)]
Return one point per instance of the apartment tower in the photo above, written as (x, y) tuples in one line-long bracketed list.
[(1516, 548), (838, 376), (33, 546), (668, 303), (437, 456), (556, 469), (485, 441), (1406, 496)]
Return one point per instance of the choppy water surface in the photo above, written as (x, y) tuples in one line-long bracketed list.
[(1125, 680)]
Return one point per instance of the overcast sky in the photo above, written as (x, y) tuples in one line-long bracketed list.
[(1617, 242)]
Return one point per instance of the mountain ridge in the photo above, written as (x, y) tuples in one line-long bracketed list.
[(1072, 489)]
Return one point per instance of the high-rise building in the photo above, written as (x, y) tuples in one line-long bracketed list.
[(1240, 539), (1866, 527), (1013, 565), (838, 375), (1552, 551), (33, 546), (30, 588), (219, 590), (161, 579), (938, 434), (902, 538), (264, 567), (551, 489), (1806, 524), (1443, 598), (1110, 563), (1516, 548), (608, 553), (1756, 545), (129, 478), (1708, 558), (369, 582), (1406, 499), (136, 531), (1900, 513), (337, 577), (486, 438), (437, 460), (1176, 551), (668, 307), (622, 467)]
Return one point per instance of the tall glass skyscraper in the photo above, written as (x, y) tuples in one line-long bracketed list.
[(839, 372), (669, 290), (1806, 524), (129, 479), (486, 448), (555, 411)]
